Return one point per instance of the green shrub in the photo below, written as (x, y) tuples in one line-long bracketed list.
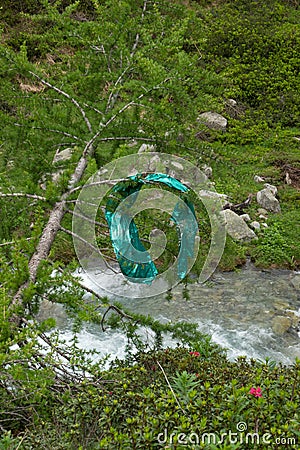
[(134, 406), (277, 246)]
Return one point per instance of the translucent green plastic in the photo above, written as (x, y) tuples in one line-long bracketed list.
[(125, 236)]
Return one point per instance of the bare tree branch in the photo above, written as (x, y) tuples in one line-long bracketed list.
[(64, 133), (75, 102), (82, 216), (126, 138), (115, 94), (170, 387), (137, 37), (22, 194), (65, 230), (12, 242), (97, 183), (101, 49), (115, 308)]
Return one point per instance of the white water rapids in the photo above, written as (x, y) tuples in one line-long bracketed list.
[(249, 312)]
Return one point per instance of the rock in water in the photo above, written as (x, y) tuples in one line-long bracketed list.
[(281, 324)]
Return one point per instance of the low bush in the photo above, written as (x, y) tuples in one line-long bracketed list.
[(190, 397)]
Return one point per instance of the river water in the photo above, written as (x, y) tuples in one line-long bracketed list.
[(249, 312)]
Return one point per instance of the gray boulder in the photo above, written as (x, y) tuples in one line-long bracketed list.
[(262, 211), (258, 179), (63, 155), (213, 120), (245, 217), (268, 201), (255, 225), (207, 170), (236, 227), (271, 188), (296, 281), (281, 324), (146, 148)]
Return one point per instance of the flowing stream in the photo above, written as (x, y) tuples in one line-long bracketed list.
[(249, 312)]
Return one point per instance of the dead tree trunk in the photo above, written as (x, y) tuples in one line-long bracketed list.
[(51, 229), (60, 208)]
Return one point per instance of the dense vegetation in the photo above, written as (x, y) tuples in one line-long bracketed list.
[(103, 77)]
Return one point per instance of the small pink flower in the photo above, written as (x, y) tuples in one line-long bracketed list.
[(256, 392), (195, 353)]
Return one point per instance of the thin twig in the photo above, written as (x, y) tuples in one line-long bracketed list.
[(170, 387), (74, 235), (75, 102), (97, 183), (13, 242), (126, 138), (64, 133), (22, 194), (82, 216), (137, 37), (119, 311), (114, 94)]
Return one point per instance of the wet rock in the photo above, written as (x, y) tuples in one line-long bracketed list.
[(296, 281), (236, 227), (281, 324), (213, 120), (281, 305), (294, 316), (50, 309), (268, 201)]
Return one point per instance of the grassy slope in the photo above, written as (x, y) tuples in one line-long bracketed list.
[(252, 49)]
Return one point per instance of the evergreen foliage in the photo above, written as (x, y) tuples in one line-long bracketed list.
[(105, 76)]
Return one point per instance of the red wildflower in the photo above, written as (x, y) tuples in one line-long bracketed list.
[(195, 353), (256, 392)]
